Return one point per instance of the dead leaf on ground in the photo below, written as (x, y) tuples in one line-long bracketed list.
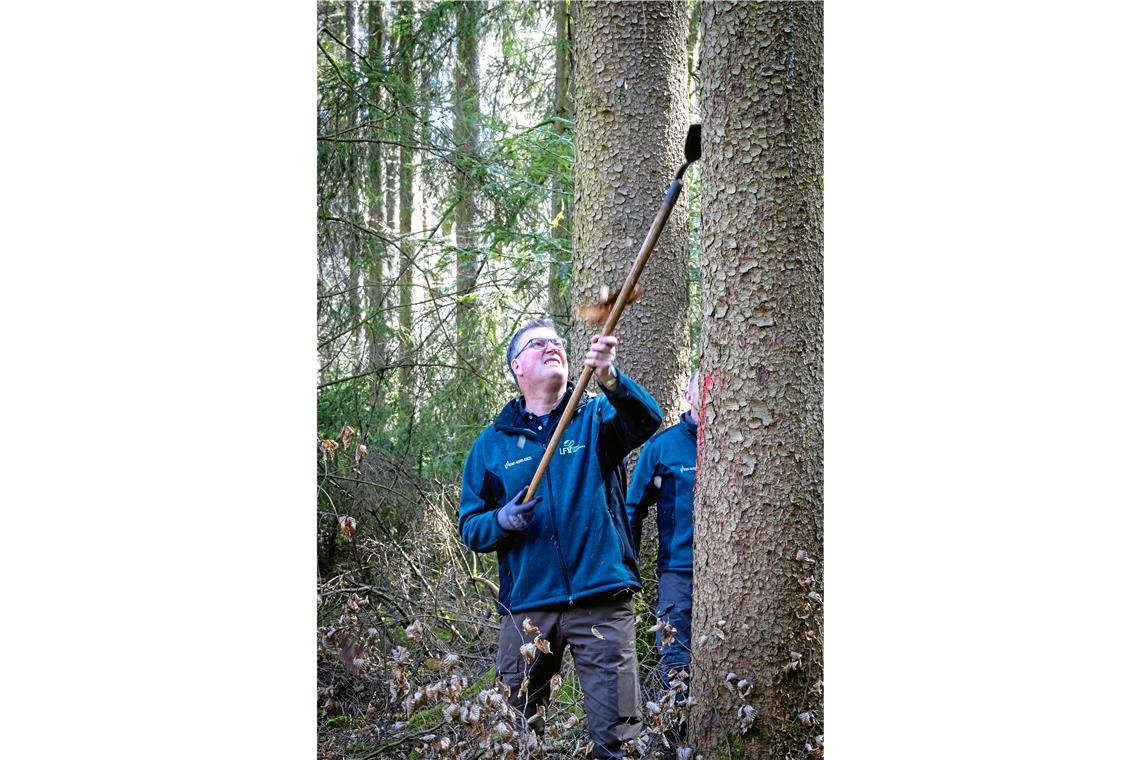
[(415, 631)]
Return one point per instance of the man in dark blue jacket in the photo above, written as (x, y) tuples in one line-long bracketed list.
[(567, 569), (666, 473)]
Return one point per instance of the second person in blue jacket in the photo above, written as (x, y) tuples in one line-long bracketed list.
[(666, 475)]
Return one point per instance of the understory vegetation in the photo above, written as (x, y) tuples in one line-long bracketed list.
[(408, 630)]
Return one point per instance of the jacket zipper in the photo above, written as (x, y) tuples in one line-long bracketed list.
[(553, 517), (550, 495)]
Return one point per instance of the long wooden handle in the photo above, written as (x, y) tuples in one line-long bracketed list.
[(655, 229)]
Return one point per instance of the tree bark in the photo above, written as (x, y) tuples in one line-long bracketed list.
[(758, 550), (630, 125)]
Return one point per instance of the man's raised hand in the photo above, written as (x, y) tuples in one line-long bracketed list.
[(601, 356)]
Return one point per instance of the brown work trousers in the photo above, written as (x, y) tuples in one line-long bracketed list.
[(601, 639)]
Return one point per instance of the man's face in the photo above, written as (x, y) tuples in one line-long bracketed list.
[(693, 396), (535, 365)]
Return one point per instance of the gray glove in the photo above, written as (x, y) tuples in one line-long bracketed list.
[(516, 516)]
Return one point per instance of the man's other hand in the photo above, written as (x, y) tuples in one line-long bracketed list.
[(516, 515)]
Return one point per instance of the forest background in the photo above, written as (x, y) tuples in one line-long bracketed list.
[(172, 375), (480, 163)]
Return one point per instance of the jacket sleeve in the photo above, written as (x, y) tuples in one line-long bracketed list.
[(633, 415), (479, 501), (643, 491)]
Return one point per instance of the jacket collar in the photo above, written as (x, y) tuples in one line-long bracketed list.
[(689, 423), (512, 418)]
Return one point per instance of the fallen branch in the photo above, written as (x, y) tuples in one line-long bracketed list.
[(379, 751)]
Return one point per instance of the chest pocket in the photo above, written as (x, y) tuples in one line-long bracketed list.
[(519, 466)]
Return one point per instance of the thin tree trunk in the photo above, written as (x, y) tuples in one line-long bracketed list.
[(758, 550), (425, 95), (352, 197), (327, 21), (558, 280), (406, 121), (391, 167), (376, 328), (466, 133)]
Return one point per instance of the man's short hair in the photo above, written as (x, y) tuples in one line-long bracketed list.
[(512, 347)]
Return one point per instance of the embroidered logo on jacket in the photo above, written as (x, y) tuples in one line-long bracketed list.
[(518, 461), (568, 447)]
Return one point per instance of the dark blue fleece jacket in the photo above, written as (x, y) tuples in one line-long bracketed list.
[(665, 473), (578, 544)]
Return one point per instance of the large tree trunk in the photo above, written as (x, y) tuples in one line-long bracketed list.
[(758, 552), (631, 118), (466, 133), (630, 99), (558, 296)]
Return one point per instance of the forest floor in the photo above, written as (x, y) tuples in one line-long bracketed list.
[(407, 635)]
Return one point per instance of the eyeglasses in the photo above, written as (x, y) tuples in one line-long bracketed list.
[(540, 344)]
